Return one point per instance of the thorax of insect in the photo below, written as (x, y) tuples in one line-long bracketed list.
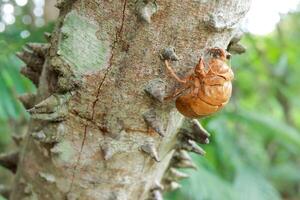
[(207, 89)]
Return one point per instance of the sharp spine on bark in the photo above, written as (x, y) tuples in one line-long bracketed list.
[(182, 155), (217, 24), (40, 49), (184, 164), (27, 100), (171, 185), (57, 116), (182, 159), (67, 80), (32, 61), (151, 151), (157, 186), (31, 75), (168, 53), (197, 127), (146, 9), (191, 145), (47, 36), (156, 191), (156, 89), (176, 175), (192, 129), (18, 139), (154, 122), (50, 104), (156, 195), (10, 161), (51, 109), (33, 56), (236, 48)]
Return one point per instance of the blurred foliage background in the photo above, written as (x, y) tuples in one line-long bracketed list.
[(255, 144)]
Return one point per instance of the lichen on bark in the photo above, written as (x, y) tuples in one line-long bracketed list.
[(79, 45)]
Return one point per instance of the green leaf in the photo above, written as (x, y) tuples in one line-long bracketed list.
[(206, 185), (280, 130), (286, 173), (250, 185)]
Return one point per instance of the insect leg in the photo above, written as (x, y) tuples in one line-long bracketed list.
[(177, 93), (173, 73)]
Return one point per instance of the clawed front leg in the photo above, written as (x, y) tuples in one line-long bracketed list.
[(176, 93), (184, 81)]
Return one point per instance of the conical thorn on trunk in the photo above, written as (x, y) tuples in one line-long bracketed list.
[(47, 36), (57, 116), (191, 145), (18, 139), (176, 175), (156, 195), (236, 48), (40, 49), (182, 155), (157, 186), (31, 75), (31, 60), (171, 185), (27, 100), (184, 164), (192, 129), (154, 122), (146, 10), (182, 159), (10, 161), (151, 151), (198, 128), (168, 53), (50, 104), (156, 89)]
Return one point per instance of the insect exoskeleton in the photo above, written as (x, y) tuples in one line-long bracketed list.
[(208, 89)]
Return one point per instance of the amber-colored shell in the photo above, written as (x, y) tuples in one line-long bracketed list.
[(214, 91)]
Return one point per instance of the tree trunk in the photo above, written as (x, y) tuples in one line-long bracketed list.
[(100, 128)]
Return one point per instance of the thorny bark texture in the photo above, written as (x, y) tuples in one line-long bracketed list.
[(100, 128)]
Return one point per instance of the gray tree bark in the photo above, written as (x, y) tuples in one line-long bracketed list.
[(99, 127)]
